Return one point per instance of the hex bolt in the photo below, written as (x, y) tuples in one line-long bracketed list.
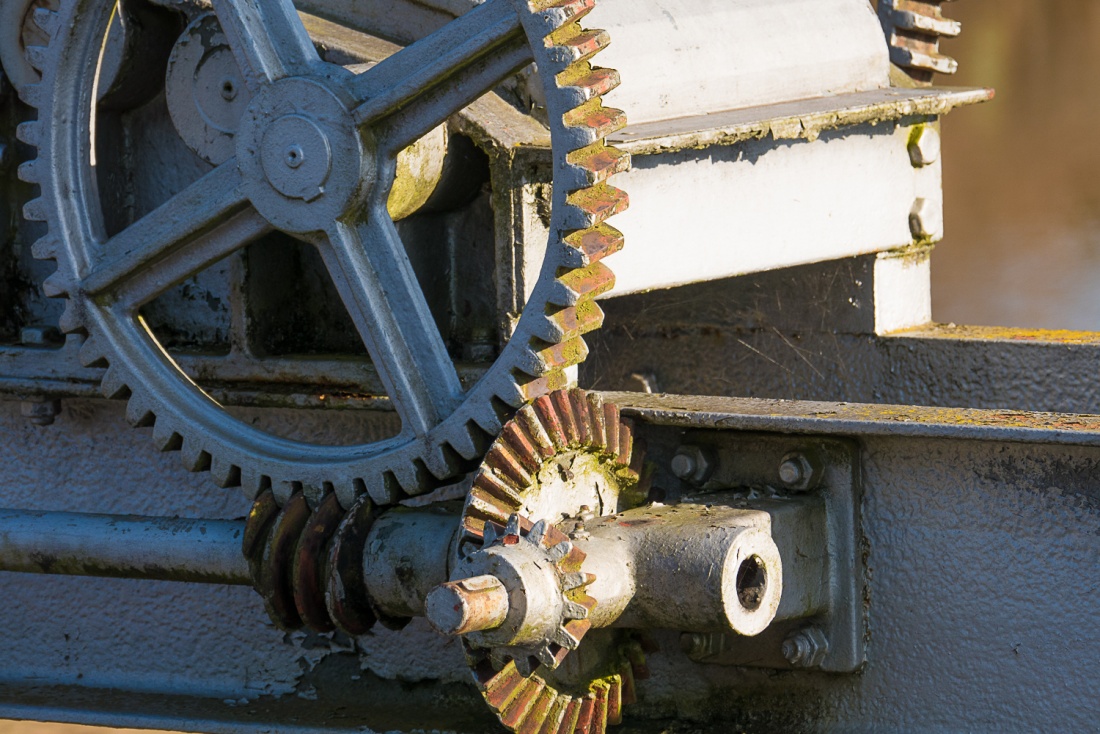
[(693, 464), (806, 648), (469, 605), (924, 147), (800, 471), (41, 411), (926, 220)]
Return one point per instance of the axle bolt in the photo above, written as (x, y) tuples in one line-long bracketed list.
[(469, 605), (926, 220)]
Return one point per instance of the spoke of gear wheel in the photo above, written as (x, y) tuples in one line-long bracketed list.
[(551, 433), (107, 279)]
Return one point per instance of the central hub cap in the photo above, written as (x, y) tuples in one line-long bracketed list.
[(303, 161)]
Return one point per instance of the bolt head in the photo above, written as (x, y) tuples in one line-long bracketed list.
[(806, 648), (693, 464), (926, 220), (41, 412), (925, 147), (800, 471)]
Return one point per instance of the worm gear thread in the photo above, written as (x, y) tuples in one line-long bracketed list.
[(548, 338)]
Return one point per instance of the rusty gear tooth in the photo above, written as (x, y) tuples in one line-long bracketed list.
[(540, 438), (593, 244), (629, 693), (570, 322), (597, 425), (914, 29), (590, 122), (515, 710), (564, 407), (521, 446), (308, 570), (487, 507), (578, 400), (557, 14), (572, 715), (502, 460), (494, 485), (572, 44), (585, 720), (615, 700), (551, 421), (591, 206), (273, 583), (626, 444), (611, 423), (538, 712), (599, 716), (502, 688), (586, 82), (598, 162), (581, 284), (554, 717)]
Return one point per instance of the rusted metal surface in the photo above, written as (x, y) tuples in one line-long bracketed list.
[(123, 546), (914, 29)]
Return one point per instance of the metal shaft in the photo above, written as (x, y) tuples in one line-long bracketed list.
[(123, 546)]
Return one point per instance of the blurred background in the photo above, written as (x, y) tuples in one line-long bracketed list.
[(1021, 179)]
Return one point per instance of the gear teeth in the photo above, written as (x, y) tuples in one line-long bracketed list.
[(501, 688), (30, 133), (113, 384), (578, 405), (571, 322), (466, 441), (507, 464), (615, 701), (516, 710), (70, 320), (593, 205), (36, 56), (581, 284), (441, 462), (573, 44), (554, 717), (48, 20), (253, 483), (576, 580), (91, 355), (33, 95), (487, 420), (540, 438), (585, 721), (55, 285), (574, 610), (557, 14), (591, 245), (564, 408), (45, 248), (225, 473), (599, 715), (591, 122), (597, 162), (165, 437), (283, 490), (193, 457), (139, 413), (553, 356), (28, 172), (551, 422), (572, 714), (537, 713), (584, 83), (35, 209), (521, 446)]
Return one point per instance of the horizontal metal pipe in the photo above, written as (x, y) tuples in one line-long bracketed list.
[(123, 546)]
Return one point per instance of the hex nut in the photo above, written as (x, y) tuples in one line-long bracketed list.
[(925, 146), (41, 412), (800, 471), (806, 648), (926, 220), (693, 464)]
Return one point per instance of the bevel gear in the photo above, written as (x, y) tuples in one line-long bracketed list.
[(566, 458), (339, 205)]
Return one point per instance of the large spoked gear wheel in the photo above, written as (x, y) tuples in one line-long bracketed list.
[(314, 157)]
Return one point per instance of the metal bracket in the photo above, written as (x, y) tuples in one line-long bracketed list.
[(810, 486)]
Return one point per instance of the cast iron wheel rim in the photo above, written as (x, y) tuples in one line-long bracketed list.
[(546, 341)]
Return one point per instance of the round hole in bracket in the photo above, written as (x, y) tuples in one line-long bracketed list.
[(752, 583)]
